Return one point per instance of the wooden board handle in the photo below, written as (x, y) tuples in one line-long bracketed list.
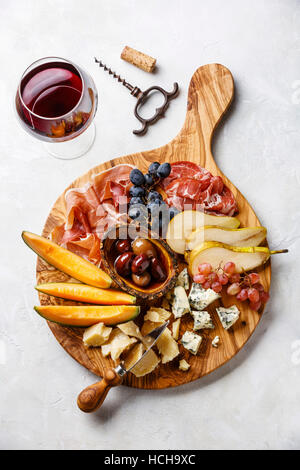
[(92, 397)]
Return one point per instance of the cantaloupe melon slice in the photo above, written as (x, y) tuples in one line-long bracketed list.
[(66, 261), (87, 315), (84, 293)]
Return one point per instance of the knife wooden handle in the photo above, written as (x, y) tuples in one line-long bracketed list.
[(92, 397)]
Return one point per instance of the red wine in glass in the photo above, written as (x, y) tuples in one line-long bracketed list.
[(56, 100)]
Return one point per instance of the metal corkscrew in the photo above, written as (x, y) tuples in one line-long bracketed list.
[(142, 97)]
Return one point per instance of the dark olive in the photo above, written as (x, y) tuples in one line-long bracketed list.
[(123, 263), (142, 280), (157, 270), (140, 264), (144, 246), (122, 246)]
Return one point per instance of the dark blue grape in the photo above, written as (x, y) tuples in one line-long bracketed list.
[(137, 191), (137, 177), (137, 211), (164, 170), (152, 195), (148, 180), (153, 168), (136, 200), (173, 211)]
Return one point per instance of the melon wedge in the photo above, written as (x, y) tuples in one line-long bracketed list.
[(66, 261), (184, 223), (245, 258), (249, 236), (84, 316), (84, 293)]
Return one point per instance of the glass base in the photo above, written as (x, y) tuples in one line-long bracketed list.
[(74, 148)]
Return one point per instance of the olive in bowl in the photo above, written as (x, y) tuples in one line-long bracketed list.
[(147, 270)]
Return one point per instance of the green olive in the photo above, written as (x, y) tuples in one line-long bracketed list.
[(141, 280), (142, 246)]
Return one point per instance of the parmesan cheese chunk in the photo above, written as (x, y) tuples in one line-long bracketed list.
[(117, 344), (176, 328), (157, 315), (149, 362), (167, 346), (133, 355), (183, 365), (130, 329), (96, 335)]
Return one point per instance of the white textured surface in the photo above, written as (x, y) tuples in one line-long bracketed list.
[(253, 401)]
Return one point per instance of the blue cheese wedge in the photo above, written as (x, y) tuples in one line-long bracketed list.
[(191, 342), (183, 279), (228, 316), (215, 342), (180, 305), (202, 320), (200, 298)]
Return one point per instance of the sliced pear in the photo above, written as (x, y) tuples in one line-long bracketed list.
[(184, 223), (245, 258), (249, 236)]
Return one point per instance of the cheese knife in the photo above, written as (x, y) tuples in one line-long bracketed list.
[(92, 397)]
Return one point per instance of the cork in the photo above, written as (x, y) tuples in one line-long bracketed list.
[(139, 59)]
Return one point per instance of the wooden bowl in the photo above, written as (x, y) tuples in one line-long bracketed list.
[(165, 254)]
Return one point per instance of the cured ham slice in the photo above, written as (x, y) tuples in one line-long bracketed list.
[(91, 210), (191, 187)]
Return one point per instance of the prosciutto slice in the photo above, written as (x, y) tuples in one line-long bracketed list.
[(91, 210), (191, 187)]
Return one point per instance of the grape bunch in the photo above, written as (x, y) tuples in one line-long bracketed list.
[(244, 286), (145, 201)]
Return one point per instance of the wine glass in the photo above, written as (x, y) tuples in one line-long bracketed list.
[(56, 102)]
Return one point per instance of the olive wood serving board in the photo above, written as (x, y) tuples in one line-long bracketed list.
[(210, 94)]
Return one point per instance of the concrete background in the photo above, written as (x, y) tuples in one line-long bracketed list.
[(253, 401)]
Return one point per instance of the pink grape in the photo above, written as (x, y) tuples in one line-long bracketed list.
[(233, 289), (235, 278), (199, 278), (259, 287), (205, 268), (243, 295), (207, 285), (216, 286), (255, 305), (223, 279), (229, 268), (254, 278), (213, 277), (253, 295), (264, 297)]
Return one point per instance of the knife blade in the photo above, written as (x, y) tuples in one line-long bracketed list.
[(149, 341)]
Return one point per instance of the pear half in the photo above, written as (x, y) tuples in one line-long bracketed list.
[(249, 236), (245, 258), (184, 223)]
